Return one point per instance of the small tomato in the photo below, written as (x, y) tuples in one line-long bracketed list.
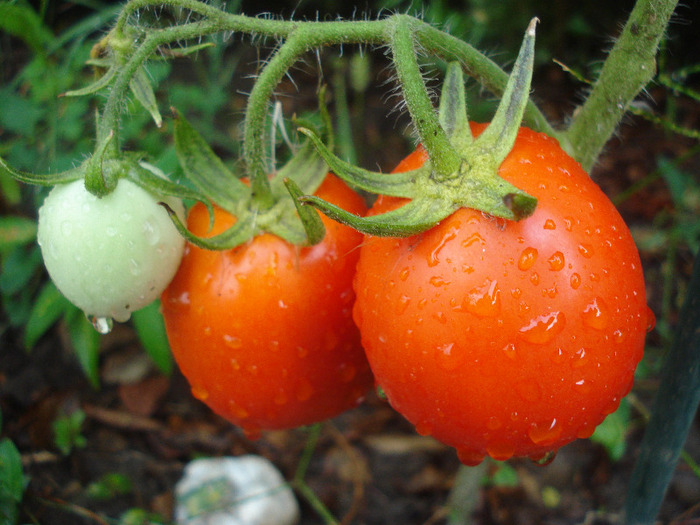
[(264, 332), (507, 338), (111, 255)]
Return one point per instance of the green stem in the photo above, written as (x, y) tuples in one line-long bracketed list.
[(629, 67), (484, 70), (444, 157), (672, 414)]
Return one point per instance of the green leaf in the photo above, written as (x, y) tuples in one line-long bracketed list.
[(151, 331), (16, 231), (95, 86), (48, 307), (206, 170), (612, 432), (18, 267), (313, 225), (17, 114), (23, 22), (66, 429), (109, 486), (140, 86), (12, 480), (46, 179), (86, 344)]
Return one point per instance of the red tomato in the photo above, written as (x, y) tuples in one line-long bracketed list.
[(507, 338), (264, 332)]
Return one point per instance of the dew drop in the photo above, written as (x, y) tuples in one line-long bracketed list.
[(535, 278), (402, 304), (586, 250), (581, 358), (302, 352), (103, 325), (549, 224), (424, 428), (434, 256), (556, 261), (545, 459), (651, 320), (437, 281), (546, 433), (500, 451), (483, 301), (543, 328), (134, 267), (596, 314), (237, 410), (111, 231), (446, 358), (509, 350), (403, 274), (494, 423), (151, 231), (585, 431), (527, 258), (619, 336), (469, 457), (232, 341), (199, 392), (280, 399), (347, 372), (473, 238), (235, 364), (575, 280)]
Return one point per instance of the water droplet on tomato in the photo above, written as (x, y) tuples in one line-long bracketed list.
[(483, 301), (651, 320), (500, 451), (596, 314), (509, 350), (199, 392), (424, 428), (446, 357), (440, 317), (232, 341), (438, 280), (302, 352), (545, 459), (549, 224), (305, 390), (581, 358), (402, 304), (473, 238), (543, 328), (527, 258), (528, 391), (103, 325), (403, 274), (535, 278), (619, 335), (547, 433), (494, 423), (586, 250), (111, 231), (583, 386), (280, 398), (469, 457), (556, 261), (151, 231), (235, 364), (434, 256), (575, 280), (586, 430), (134, 267), (237, 411)]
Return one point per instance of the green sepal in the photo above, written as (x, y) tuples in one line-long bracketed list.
[(100, 177), (95, 86), (313, 225), (206, 170), (394, 184), (453, 108), (44, 179), (152, 179), (242, 231), (414, 217), (499, 136), (140, 86)]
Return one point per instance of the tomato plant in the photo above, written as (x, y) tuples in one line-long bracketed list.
[(111, 255), (264, 332), (507, 338)]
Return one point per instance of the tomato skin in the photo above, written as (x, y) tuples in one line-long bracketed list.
[(507, 338), (264, 332)]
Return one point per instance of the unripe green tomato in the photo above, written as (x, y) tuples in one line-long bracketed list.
[(111, 255)]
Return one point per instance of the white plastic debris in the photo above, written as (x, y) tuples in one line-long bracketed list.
[(244, 490)]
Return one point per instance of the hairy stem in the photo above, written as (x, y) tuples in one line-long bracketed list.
[(443, 156), (629, 67)]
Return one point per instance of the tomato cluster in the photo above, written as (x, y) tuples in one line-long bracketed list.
[(498, 338)]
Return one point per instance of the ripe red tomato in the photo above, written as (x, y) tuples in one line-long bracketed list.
[(264, 332), (507, 338)]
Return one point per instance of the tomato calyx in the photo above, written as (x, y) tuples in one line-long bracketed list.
[(303, 173), (435, 194)]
